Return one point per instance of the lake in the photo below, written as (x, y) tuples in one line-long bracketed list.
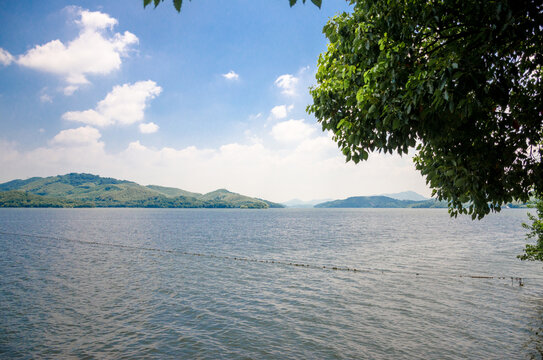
[(263, 284)]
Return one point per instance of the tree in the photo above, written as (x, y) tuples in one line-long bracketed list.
[(177, 3), (458, 80), (534, 252)]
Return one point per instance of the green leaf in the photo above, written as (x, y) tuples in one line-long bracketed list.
[(360, 95), (145, 3), (317, 2), (292, 2), (177, 5)]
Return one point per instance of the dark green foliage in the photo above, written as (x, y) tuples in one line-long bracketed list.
[(75, 190), (14, 198), (272, 205), (460, 80), (177, 3), (429, 204), (225, 198), (379, 202), (16, 184), (76, 179), (534, 252), (317, 3)]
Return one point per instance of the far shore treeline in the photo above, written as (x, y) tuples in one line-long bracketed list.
[(87, 190)]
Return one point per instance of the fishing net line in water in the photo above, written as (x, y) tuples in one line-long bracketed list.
[(515, 280)]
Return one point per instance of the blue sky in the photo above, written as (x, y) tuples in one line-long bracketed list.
[(213, 97)]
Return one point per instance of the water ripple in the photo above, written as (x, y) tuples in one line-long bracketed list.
[(128, 283)]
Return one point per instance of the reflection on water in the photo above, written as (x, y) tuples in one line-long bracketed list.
[(426, 286)]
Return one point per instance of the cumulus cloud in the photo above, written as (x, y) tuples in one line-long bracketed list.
[(124, 105), (85, 135), (94, 52), (95, 20), (231, 75), (148, 128), (5, 57), (280, 111), (309, 169), (292, 131), (288, 84)]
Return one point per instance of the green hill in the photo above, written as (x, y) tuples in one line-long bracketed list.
[(388, 202), (225, 198), (380, 202), (14, 198), (76, 190), (172, 192)]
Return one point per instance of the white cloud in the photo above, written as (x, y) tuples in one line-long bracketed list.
[(95, 20), (93, 52), (231, 75), (148, 128), (313, 168), (91, 117), (288, 84), (292, 131), (81, 136), (70, 90), (280, 111), (45, 98), (5, 57), (124, 105), (255, 116)]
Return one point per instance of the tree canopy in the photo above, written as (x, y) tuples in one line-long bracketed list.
[(534, 252), (458, 80)]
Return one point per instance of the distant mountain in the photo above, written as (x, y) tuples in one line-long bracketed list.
[(379, 202), (406, 195), (172, 192), (297, 203), (87, 190)]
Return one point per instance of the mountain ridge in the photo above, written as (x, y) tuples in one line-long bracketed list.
[(88, 190), (406, 195), (380, 201)]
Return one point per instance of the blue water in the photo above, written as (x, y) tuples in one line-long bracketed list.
[(203, 283)]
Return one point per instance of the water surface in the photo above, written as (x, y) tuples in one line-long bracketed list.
[(209, 283)]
